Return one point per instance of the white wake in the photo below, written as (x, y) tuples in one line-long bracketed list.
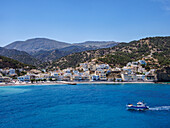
[(160, 108)]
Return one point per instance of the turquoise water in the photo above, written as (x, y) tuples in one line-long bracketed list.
[(84, 106)]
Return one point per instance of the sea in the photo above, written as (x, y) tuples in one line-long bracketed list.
[(84, 106)]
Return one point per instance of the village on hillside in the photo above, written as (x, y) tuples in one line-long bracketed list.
[(88, 71)]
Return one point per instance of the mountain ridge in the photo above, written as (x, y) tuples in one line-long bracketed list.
[(45, 44), (45, 49), (36, 44)]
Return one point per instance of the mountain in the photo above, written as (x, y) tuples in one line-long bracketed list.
[(37, 44), (6, 62), (19, 55), (155, 50), (43, 44), (48, 50)]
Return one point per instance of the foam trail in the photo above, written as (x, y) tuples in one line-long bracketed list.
[(160, 108)]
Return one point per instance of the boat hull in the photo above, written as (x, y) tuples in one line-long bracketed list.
[(137, 108)]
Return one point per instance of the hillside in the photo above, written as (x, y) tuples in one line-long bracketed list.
[(163, 75), (155, 50), (51, 55), (19, 55), (98, 44), (6, 62), (37, 44)]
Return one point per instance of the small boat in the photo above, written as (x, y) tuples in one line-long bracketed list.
[(139, 106), (72, 83)]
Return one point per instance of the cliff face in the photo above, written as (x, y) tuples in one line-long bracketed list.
[(164, 75)]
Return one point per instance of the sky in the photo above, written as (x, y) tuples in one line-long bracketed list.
[(74, 21)]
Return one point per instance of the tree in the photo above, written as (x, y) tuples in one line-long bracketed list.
[(50, 79), (147, 68), (32, 80)]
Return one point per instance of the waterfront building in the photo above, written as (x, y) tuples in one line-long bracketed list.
[(25, 78), (141, 77), (94, 77), (86, 76), (77, 77), (118, 79), (102, 76), (129, 77), (150, 77), (5, 79), (67, 76)]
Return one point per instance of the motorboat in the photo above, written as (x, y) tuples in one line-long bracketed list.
[(140, 106)]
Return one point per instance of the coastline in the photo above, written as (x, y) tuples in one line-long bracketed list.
[(74, 83)]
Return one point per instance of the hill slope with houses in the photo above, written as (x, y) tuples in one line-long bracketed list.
[(146, 60), (154, 50)]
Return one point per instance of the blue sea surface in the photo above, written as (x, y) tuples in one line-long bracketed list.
[(84, 106)]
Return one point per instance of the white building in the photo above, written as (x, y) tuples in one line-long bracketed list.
[(12, 71), (94, 77)]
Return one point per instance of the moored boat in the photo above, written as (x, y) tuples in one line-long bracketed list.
[(72, 83)]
